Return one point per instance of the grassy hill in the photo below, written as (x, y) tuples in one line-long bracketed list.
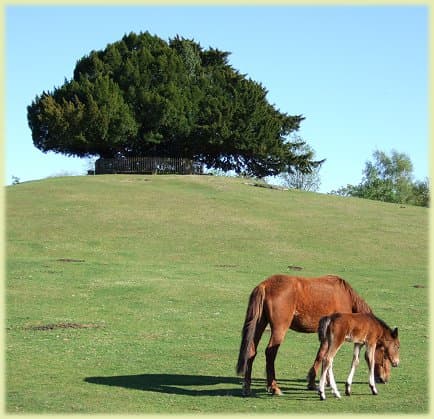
[(127, 294)]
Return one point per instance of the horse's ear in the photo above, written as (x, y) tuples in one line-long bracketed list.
[(395, 333)]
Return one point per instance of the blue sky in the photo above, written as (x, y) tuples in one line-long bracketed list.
[(359, 75)]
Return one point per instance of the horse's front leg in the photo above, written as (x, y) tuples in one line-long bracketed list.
[(370, 350), (354, 365)]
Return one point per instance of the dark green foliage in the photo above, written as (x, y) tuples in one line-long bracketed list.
[(389, 179), (82, 118), (143, 96), (420, 194)]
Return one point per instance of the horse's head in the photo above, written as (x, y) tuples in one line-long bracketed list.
[(391, 347)]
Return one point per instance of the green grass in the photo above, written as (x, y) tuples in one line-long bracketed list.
[(161, 273)]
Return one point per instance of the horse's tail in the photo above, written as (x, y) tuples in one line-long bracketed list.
[(253, 315)]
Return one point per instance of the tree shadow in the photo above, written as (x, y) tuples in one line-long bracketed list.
[(190, 385)]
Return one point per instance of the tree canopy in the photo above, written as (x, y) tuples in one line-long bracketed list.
[(143, 96), (389, 178)]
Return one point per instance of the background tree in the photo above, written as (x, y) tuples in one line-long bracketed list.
[(420, 194), (389, 178), (142, 96), (303, 180)]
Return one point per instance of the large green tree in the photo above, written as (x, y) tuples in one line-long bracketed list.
[(143, 96)]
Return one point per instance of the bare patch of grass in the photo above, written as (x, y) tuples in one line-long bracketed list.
[(54, 326)]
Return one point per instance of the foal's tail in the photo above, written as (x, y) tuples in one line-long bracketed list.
[(253, 315), (322, 328)]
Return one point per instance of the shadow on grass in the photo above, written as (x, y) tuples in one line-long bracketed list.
[(190, 385)]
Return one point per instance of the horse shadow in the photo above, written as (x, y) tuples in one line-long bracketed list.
[(189, 385)]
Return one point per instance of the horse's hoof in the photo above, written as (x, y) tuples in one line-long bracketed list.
[(347, 389), (275, 391), (374, 390), (278, 392), (246, 392), (310, 378)]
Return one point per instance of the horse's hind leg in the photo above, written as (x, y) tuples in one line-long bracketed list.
[(253, 350), (277, 336), (327, 370), (314, 369), (326, 362), (333, 385)]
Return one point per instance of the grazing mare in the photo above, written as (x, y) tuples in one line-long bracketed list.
[(288, 302), (362, 329)]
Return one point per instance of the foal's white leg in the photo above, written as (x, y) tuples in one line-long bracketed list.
[(333, 385), (354, 365), (371, 353), (322, 380)]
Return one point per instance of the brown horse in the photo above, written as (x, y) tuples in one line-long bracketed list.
[(362, 329), (297, 303)]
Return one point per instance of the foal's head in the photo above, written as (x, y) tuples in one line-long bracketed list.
[(391, 346), (382, 365)]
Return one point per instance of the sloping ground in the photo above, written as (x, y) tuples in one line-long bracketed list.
[(154, 272)]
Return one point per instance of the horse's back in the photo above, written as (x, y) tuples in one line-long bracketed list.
[(303, 301), (328, 289)]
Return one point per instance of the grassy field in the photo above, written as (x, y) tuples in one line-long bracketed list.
[(127, 294)]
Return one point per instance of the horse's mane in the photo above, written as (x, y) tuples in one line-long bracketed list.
[(359, 304)]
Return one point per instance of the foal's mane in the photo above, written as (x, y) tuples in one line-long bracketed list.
[(382, 322), (359, 304)]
